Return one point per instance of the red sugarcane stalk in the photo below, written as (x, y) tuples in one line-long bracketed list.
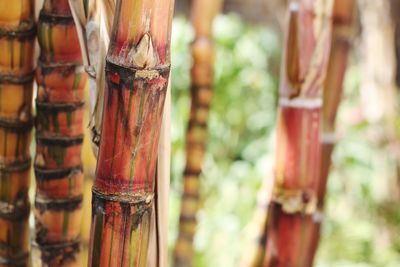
[(203, 14), (94, 27), (17, 36), (294, 203), (59, 135), (137, 74), (342, 30)]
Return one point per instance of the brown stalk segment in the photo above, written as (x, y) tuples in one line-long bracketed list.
[(202, 15), (58, 167), (17, 35), (137, 74), (342, 32), (293, 208)]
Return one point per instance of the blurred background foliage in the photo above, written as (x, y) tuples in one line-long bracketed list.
[(362, 214)]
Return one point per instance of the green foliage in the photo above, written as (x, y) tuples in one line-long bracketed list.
[(361, 227)]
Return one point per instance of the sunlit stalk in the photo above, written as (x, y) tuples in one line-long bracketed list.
[(17, 36)]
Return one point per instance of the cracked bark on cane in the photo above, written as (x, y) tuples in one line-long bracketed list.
[(137, 74), (293, 208), (17, 35), (59, 134), (203, 14)]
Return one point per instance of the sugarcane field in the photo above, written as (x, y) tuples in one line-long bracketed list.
[(200, 133)]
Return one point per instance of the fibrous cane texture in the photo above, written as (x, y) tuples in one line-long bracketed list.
[(203, 14), (137, 74), (293, 208), (17, 36), (59, 134)]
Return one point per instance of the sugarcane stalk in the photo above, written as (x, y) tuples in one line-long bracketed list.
[(17, 36), (94, 32), (163, 183), (395, 7), (254, 254), (342, 32), (203, 13), (293, 208), (158, 249), (137, 74), (59, 135)]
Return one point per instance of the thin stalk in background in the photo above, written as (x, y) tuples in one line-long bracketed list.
[(254, 255), (395, 8), (203, 13), (137, 75), (59, 134), (17, 36), (293, 208), (342, 33)]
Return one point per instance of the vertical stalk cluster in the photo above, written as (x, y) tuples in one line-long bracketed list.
[(59, 134), (137, 75), (17, 36), (293, 208), (202, 15), (342, 32)]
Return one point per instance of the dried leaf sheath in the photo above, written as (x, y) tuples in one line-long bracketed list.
[(17, 35), (137, 74), (343, 16), (202, 15), (294, 202), (93, 24), (59, 135)]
